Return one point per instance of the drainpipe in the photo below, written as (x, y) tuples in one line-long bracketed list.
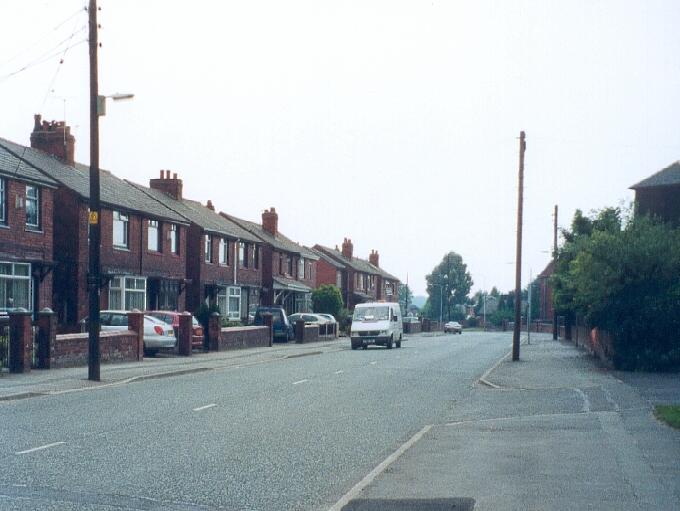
[(235, 259)]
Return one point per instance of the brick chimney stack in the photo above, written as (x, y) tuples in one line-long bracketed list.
[(167, 185), (347, 248), (270, 221), (374, 258), (54, 138), (210, 206)]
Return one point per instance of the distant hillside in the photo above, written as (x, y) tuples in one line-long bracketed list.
[(419, 301)]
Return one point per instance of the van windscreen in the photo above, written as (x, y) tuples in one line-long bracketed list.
[(371, 313)]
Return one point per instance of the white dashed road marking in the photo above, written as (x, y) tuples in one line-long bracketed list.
[(40, 448), (211, 405), (339, 372), (373, 363), (299, 381)]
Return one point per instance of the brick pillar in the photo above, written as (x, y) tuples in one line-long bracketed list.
[(47, 335), (214, 331), (268, 321), (300, 331), (184, 334), (136, 324), (20, 341)]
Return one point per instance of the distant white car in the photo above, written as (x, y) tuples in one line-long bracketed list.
[(454, 327)]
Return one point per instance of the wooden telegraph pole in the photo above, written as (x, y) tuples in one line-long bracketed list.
[(554, 270), (518, 255), (94, 270)]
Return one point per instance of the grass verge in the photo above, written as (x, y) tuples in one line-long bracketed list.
[(670, 414)]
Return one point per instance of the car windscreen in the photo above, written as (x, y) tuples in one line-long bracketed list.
[(371, 313)]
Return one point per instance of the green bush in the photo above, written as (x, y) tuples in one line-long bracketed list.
[(627, 281), (327, 299), (203, 313)]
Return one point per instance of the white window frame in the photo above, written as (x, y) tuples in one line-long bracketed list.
[(124, 284), (224, 252), (207, 248), (301, 268), (3, 200), (121, 218), (33, 199), (153, 225), (174, 238), (229, 302), (338, 279), (14, 276)]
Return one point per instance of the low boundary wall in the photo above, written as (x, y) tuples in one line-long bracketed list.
[(243, 337), (71, 350)]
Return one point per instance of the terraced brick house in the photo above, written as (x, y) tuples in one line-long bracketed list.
[(143, 251), (659, 194), (26, 241), (361, 280), (224, 260), (288, 269)]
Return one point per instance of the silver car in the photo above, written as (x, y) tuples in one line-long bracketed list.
[(157, 334)]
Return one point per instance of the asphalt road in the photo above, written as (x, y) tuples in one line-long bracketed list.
[(287, 434)]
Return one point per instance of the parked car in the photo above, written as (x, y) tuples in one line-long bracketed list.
[(331, 319), (376, 323), (172, 318), (157, 334), (309, 319), (283, 330), (454, 327)]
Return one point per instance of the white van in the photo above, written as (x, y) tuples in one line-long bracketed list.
[(376, 323)]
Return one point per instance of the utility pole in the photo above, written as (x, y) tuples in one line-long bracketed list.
[(518, 255), (94, 274), (554, 269)]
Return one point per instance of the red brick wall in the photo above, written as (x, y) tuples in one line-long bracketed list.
[(19, 245), (243, 337), (325, 273), (70, 350)]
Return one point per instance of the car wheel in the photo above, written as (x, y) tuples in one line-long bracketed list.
[(354, 345), (365, 347), (148, 352), (390, 341)]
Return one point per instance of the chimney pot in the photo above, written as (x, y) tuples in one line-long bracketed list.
[(210, 206), (53, 138), (174, 176)]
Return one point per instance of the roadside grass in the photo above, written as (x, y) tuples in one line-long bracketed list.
[(670, 414)]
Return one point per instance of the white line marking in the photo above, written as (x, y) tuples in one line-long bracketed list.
[(359, 487), (339, 371), (373, 363), (211, 405), (299, 381), (40, 448)]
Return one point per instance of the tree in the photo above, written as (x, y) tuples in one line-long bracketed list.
[(624, 277), (327, 299), (405, 298), (448, 285)]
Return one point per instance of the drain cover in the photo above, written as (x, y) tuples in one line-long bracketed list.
[(454, 504)]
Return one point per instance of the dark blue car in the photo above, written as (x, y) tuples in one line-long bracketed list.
[(283, 330)]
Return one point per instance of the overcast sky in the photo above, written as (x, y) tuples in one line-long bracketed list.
[(392, 123)]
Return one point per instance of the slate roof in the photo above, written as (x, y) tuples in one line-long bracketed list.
[(15, 168), (330, 260), (195, 212), (356, 263), (114, 192), (279, 242), (670, 176)]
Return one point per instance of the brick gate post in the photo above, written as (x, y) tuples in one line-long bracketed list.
[(136, 324), (20, 341), (47, 336), (214, 332), (184, 334)]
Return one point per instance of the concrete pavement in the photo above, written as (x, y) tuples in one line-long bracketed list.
[(552, 431)]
